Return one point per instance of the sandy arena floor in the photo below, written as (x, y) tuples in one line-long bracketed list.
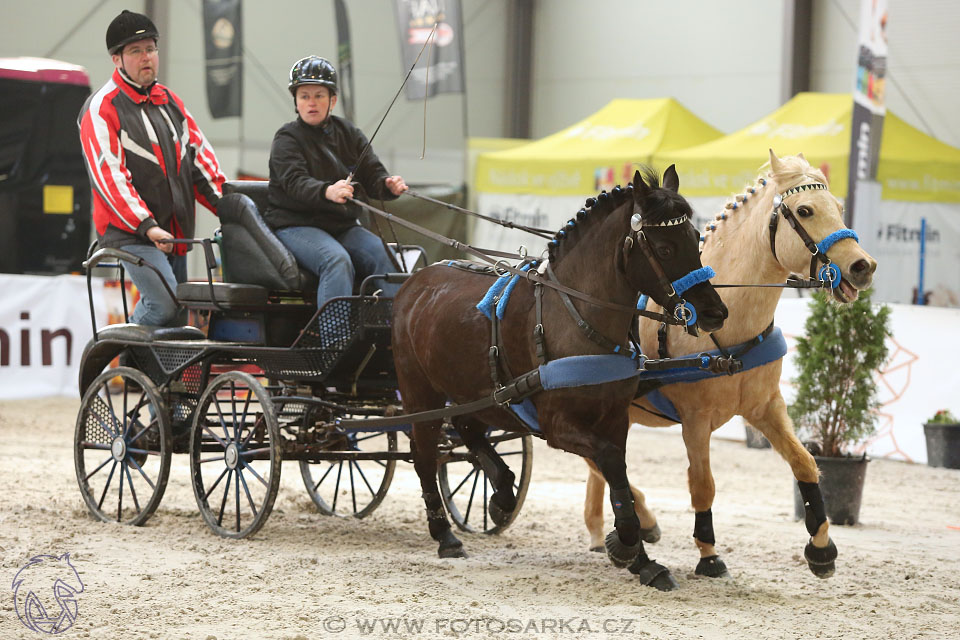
[(305, 575)]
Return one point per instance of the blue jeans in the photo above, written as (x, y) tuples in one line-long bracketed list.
[(338, 260), (156, 307)]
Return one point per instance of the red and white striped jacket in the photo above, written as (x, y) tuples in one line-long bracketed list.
[(148, 162)]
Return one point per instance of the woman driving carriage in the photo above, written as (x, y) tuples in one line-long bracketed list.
[(310, 160)]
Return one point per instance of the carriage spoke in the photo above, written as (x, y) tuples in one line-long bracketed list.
[(214, 459), (113, 412), (463, 482), (131, 416), (142, 431), (133, 492), (365, 481), (322, 478), (253, 430), (215, 437), (473, 490), (233, 408), (103, 424), (107, 486), (254, 472), (149, 482), (120, 494), (102, 465), (336, 488), (223, 421), (246, 490), (210, 490), (353, 487), (146, 452), (237, 430), (485, 485), (236, 490), (223, 503), (250, 452), (95, 446)]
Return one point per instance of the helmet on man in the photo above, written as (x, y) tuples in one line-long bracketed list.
[(129, 27), (313, 70)]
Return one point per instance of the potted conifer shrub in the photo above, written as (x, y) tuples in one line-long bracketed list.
[(835, 406), (942, 433)]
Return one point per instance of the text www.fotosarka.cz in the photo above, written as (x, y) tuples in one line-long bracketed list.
[(406, 626)]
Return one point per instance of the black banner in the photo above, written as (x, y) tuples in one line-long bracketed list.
[(869, 109), (344, 59), (223, 40), (441, 64)]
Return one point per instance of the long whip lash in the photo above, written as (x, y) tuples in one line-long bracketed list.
[(402, 85)]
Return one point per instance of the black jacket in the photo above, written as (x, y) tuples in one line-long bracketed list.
[(305, 160)]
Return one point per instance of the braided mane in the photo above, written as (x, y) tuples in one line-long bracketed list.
[(659, 206)]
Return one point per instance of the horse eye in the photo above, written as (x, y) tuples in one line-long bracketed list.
[(665, 251), (804, 211)]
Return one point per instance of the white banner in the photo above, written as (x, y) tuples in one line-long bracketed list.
[(44, 326)]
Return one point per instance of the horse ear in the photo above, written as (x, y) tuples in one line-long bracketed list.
[(775, 165), (800, 155), (639, 186), (670, 178)]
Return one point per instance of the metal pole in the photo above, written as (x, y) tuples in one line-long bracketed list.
[(923, 254)]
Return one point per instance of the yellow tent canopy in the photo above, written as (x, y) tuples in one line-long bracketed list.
[(596, 152), (913, 166)]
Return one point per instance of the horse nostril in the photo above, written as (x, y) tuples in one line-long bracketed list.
[(862, 267)]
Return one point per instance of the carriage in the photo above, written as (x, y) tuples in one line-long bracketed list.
[(272, 379)]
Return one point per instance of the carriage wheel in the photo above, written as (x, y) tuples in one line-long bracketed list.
[(235, 455), (464, 486), (351, 487), (122, 446)]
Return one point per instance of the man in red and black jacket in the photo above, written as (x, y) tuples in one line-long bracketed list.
[(148, 164)]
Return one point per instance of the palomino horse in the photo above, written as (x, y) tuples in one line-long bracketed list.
[(746, 246), (626, 242)]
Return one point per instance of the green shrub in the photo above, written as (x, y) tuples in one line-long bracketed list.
[(843, 347)]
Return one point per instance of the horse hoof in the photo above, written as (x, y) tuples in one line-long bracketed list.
[(650, 535), (621, 555), (654, 574), (712, 567), (452, 552), (498, 514), (597, 549), (821, 559)]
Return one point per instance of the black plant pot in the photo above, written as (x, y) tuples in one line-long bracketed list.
[(841, 483), (755, 439), (943, 444)]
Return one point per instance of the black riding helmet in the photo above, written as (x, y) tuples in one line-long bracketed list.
[(313, 70), (129, 27)]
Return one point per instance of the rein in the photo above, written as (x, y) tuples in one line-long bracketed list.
[(501, 266)]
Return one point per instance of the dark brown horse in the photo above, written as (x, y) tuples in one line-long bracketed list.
[(613, 251)]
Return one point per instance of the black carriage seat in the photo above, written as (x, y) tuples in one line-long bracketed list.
[(250, 252)]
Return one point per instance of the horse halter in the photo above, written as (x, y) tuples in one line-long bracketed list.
[(683, 311), (829, 273)]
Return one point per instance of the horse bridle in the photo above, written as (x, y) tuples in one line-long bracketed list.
[(683, 311), (829, 272)]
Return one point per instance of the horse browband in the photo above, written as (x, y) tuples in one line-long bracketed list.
[(780, 207)]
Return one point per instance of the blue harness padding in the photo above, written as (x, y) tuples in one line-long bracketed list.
[(576, 371), (773, 347), (682, 284), (500, 290), (835, 237)]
